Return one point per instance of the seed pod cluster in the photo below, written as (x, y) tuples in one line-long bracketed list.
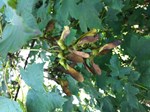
[(75, 55)]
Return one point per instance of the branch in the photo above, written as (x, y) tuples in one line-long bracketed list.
[(26, 62)]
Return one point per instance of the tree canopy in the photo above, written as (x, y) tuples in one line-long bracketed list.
[(74, 55)]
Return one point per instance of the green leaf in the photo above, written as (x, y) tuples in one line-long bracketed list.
[(131, 91), (117, 4), (116, 69), (7, 105), (114, 65), (73, 86), (137, 46), (114, 61), (16, 33), (65, 9), (21, 8), (125, 107), (115, 84), (88, 15), (1, 4), (134, 76), (43, 101), (107, 105), (43, 14), (25, 11), (101, 80), (12, 3), (124, 71), (33, 76), (68, 106)]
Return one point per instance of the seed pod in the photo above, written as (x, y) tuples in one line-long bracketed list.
[(61, 44), (64, 83), (96, 68), (50, 26), (109, 46), (63, 63), (65, 86), (75, 74), (67, 91), (65, 32), (91, 33), (75, 58), (88, 40), (81, 54)]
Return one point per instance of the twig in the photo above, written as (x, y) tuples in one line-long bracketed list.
[(132, 61), (26, 62), (142, 87)]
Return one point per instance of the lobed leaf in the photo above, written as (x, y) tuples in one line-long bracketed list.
[(16, 33), (43, 101), (8, 105), (33, 76)]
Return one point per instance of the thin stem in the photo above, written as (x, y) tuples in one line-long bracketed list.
[(132, 61), (26, 62), (4, 77), (142, 87)]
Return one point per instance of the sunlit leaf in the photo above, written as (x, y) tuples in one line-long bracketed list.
[(16, 33), (43, 101), (33, 76), (7, 105)]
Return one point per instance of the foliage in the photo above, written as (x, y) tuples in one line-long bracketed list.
[(74, 55)]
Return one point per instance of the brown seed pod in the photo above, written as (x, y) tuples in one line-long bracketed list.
[(75, 58), (75, 74), (67, 91), (104, 49), (65, 86), (50, 26), (88, 39), (96, 68), (81, 54)]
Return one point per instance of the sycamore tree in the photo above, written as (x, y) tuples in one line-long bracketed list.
[(74, 56)]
